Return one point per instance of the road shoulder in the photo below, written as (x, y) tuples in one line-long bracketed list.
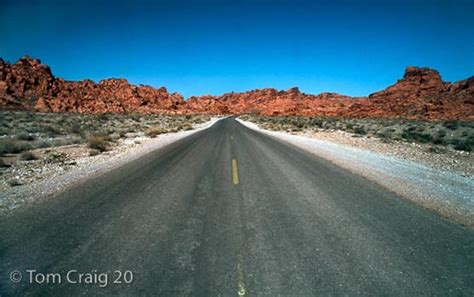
[(87, 167), (446, 192)]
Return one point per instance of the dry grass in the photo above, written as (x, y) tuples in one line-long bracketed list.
[(25, 131), (456, 135)]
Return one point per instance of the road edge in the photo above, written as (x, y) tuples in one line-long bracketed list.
[(451, 202), (16, 198)]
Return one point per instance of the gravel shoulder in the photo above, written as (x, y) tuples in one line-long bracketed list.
[(430, 182), (40, 181)]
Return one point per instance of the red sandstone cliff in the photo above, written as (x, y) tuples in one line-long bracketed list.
[(421, 94), (30, 85)]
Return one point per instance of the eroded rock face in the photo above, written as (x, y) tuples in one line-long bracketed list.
[(30, 85), (21, 84), (270, 102), (420, 94)]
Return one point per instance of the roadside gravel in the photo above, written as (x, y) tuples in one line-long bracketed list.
[(447, 192), (44, 180)]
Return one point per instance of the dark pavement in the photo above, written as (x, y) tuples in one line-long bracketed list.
[(229, 211)]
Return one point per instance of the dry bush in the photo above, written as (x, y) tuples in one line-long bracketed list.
[(154, 131), (27, 156), (3, 164), (25, 136), (10, 146), (97, 142)]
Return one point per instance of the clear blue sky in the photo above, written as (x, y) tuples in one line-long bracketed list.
[(212, 47)]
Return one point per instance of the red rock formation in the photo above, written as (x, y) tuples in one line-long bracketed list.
[(270, 102), (421, 94), (21, 84), (30, 85)]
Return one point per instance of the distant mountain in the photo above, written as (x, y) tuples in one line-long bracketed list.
[(421, 94)]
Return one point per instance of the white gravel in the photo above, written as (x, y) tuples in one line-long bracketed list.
[(445, 192), (88, 167)]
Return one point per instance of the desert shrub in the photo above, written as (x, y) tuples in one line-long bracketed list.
[(55, 157), (463, 145), (103, 117), (452, 125), (25, 136), (441, 133), (5, 131), (97, 142), (64, 141), (436, 150), (413, 135), (3, 164), (187, 127), (14, 182), (27, 156), (154, 131), (316, 122), (10, 146), (44, 144), (93, 152), (122, 133), (360, 130), (296, 129), (51, 131), (386, 134), (439, 140), (328, 124), (74, 128), (33, 128), (299, 123)]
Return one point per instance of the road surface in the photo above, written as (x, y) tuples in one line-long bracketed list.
[(229, 211)]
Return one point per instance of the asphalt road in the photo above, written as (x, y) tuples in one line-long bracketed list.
[(229, 211)]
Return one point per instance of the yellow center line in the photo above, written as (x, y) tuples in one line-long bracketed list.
[(240, 276), (235, 173)]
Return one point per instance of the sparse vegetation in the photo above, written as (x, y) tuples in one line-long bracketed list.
[(457, 135), (24, 131), (3, 164), (155, 131), (14, 182), (98, 142), (34, 146), (25, 136), (11, 146), (27, 156)]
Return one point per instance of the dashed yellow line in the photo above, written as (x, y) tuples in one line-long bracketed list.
[(240, 276), (235, 172)]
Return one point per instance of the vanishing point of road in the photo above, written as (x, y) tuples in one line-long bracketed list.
[(229, 211)]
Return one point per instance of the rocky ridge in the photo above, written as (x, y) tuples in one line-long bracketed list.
[(30, 85), (420, 94)]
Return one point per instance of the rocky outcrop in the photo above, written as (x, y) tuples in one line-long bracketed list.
[(30, 85), (23, 83), (420, 94), (270, 102)]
